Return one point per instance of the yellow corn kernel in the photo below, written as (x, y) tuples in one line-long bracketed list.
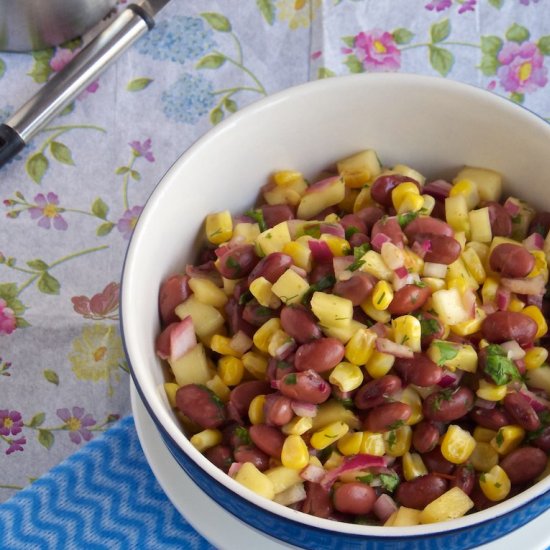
[(483, 343), (515, 304), (338, 246), (294, 453), (360, 346), (457, 444), (229, 286), (411, 397), (230, 370), (334, 411), (484, 457), (260, 288), (249, 476), (541, 266), (283, 478), (219, 227), (373, 444), (404, 517), (382, 295), (284, 178), (536, 314), (434, 283), (378, 315), (407, 331), (398, 441), (346, 376), (507, 439), (428, 206), (489, 290), (413, 466), (474, 264), (350, 443), (483, 435), (207, 292), (344, 334), (332, 218), (375, 265), (535, 357), (379, 364), (405, 170), (263, 335), (468, 189), (328, 435), (255, 363), (299, 425), (206, 439), (363, 199), (452, 504), (332, 310), (350, 196), (221, 344), (171, 388), (256, 410), (495, 484), (300, 254), (218, 386), (279, 338), (460, 236), (470, 326), (411, 202), (333, 461), (400, 192), (491, 392)]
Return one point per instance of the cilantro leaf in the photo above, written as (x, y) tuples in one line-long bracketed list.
[(497, 365), (242, 433), (290, 379), (351, 230), (428, 325), (389, 481), (406, 218), (258, 216), (361, 250), (447, 351), (322, 284)]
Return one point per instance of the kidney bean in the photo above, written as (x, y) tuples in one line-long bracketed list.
[(386, 416), (427, 224), (320, 355), (481, 502), (300, 324), (356, 289), (376, 392), (317, 502), (268, 439), (235, 318), (271, 267), (543, 440), (277, 368), (442, 249), (305, 386), (277, 213), (242, 395), (173, 291), (353, 222), (511, 260), (446, 406), (357, 239), (502, 326), (521, 411), (321, 271), (540, 224), (249, 453), (419, 370), (221, 456), (354, 498), (431, 328), (237, 261), (493, 419), (464, 478), (437, 463), (408, 299), (256, 315), (201, 405), (278, 410), (425, 436), (383, 186), (390, 227), (369, 215), (524, 464), (500, 220), (419, 492)]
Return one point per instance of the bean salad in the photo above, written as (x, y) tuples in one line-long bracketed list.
[(370, 347)]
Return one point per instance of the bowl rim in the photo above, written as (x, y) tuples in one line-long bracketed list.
[(150, 395)]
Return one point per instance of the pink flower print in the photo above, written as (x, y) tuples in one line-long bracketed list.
[(128, 221), (10, 422), (527, 2), (522, 68), (376, 50), (467, 5), (47, 210), (16, 445), (61, 58), (143, 149), (100, 306), (439, 5), (77, 423), (8, 322)]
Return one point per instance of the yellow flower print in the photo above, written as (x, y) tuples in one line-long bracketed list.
[(97, 354), (298, 13)]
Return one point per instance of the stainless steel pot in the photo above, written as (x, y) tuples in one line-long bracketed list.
[(34, 24)]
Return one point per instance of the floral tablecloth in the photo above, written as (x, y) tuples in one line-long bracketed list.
[(71, 199)]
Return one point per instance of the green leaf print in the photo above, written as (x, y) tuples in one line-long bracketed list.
[(402, 36), (217, 21), (211, 61), (36, 167), (353, 64), (138, 84), (104, 229), (41, 69), (61, 153), (230, 105), (496, 3), (38, 265), (323, 72), (544, 45), (37, 420), (46, 438), (489, 65), (349, 41), (267, 9), (518, 98), (51, 376), (8, 291), (491, 45), (22, 323), (100, 209), (440, 31), (2, 68), (48, 284), (517, 33), (441, 60), (216, 116)]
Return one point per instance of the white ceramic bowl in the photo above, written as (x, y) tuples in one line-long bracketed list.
[(431, 124)]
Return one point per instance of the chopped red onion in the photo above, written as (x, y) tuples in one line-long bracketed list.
[(533, 286), (313, 473), (511, 207), (205, 271), (469, 302), (295, 493), (432, 269), (320, 251), (420, 249), (484, 403), (450, 378), (398, 350), (380, 329), (489, 308), (534, 300), (384, 507), (340, 265), (520, 365), (401, 272), (537, 402), (392, 255), (303, 408), (333, 229), (357, 462), (513, 349), (176, 339), (438, 189), (378, 240), (314, 187), (502, 298), (535, 241), (302, 272), (234, 468), (285, 349)]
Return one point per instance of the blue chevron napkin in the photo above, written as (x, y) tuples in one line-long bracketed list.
[(103, 496)]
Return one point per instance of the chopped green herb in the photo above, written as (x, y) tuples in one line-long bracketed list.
[(258, 216), (499, 439), (367, 478), (498, 485), (320, 285), (404, 219), (429, 326), (443, 395), (313, 231), (361, 250), (389, 481), (290, 379), (283, 365), (347, 402), (355, 265), (286, 299), (497, 365), (396, 424), (404, 339), (447, 352), (381, 298), (245, 297), (242, 433), (351, 230), (420, 284), (233, 264), (516, 218), (263, 311), (540, 229), (347, 251), (217, 232), (392, 439), (482, 478)]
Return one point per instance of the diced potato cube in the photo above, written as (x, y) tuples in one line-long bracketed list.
[(458, 270), (192, 368), (488, 182), (282, 195), (448, 306), (452, 504), (319, 196), (331, 310), (171, 388), (539, 378), (374, 264), (261, 289), (407, 331), (360, 168), (474, 264), (343, 333), (246, 232), (333, 411), (219, 227), (405, 170), (456, 213), (207, 292), (290, 287), (273, 239), (480, 225), (249, 476), (405, 517), (207, 320), (283, 478), (468, 189), (363, 199), (300, 254), (470, 327)]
